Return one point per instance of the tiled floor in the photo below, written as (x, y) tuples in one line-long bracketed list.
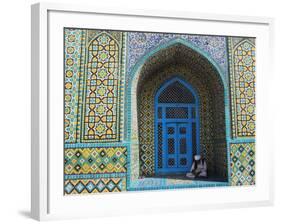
[(157, 183)]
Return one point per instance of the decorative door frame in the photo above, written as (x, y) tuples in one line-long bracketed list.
[(197, 114)]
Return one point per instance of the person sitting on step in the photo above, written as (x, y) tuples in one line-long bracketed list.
[(198, 168)]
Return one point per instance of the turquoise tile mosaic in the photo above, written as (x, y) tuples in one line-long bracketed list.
[(113, 135)]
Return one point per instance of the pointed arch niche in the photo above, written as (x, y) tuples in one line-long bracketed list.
[(177, 58)]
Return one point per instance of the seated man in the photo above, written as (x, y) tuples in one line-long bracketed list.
[(198, 168)]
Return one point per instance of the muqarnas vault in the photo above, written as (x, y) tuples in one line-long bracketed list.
[(140, 106)]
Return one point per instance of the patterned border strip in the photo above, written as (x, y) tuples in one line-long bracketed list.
[(95, 160), (122, 85), (72, 51), (99, 185), (93, 176)]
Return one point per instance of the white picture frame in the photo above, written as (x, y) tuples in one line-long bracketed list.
[(47, 201)]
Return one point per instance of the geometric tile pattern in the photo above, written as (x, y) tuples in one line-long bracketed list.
[(98, 67), (94, 87), (242, 164), (93, 92), (72, 39), (242, 75), (212, 147), (99, 185), (146, 131), (95, 160), (101, 101), (139, 43)]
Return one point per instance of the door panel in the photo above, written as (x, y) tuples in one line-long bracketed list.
[(177, 153), (185, 145), (170, 159)]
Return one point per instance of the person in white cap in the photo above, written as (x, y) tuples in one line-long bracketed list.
[(198, 168)]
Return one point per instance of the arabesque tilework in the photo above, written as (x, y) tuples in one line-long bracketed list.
[(110, 78), (140, 43)]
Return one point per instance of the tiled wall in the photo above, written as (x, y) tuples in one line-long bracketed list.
[(212, 125), (242, 74), (105, 118)]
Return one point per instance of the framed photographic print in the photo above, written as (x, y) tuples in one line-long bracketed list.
[(148, 111)]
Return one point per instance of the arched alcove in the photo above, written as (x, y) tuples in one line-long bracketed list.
[(192, 67)]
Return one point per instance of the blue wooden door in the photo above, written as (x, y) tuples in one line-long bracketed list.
[(177, 155), (176, 128)]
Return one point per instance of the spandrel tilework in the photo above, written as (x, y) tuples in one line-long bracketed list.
[(113, 141)]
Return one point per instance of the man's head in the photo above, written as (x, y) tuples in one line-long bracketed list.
[(197, 157)]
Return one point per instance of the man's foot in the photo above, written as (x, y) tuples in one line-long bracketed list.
[(190, 175)]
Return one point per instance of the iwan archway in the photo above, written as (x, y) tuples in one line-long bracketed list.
[(180, 69)]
